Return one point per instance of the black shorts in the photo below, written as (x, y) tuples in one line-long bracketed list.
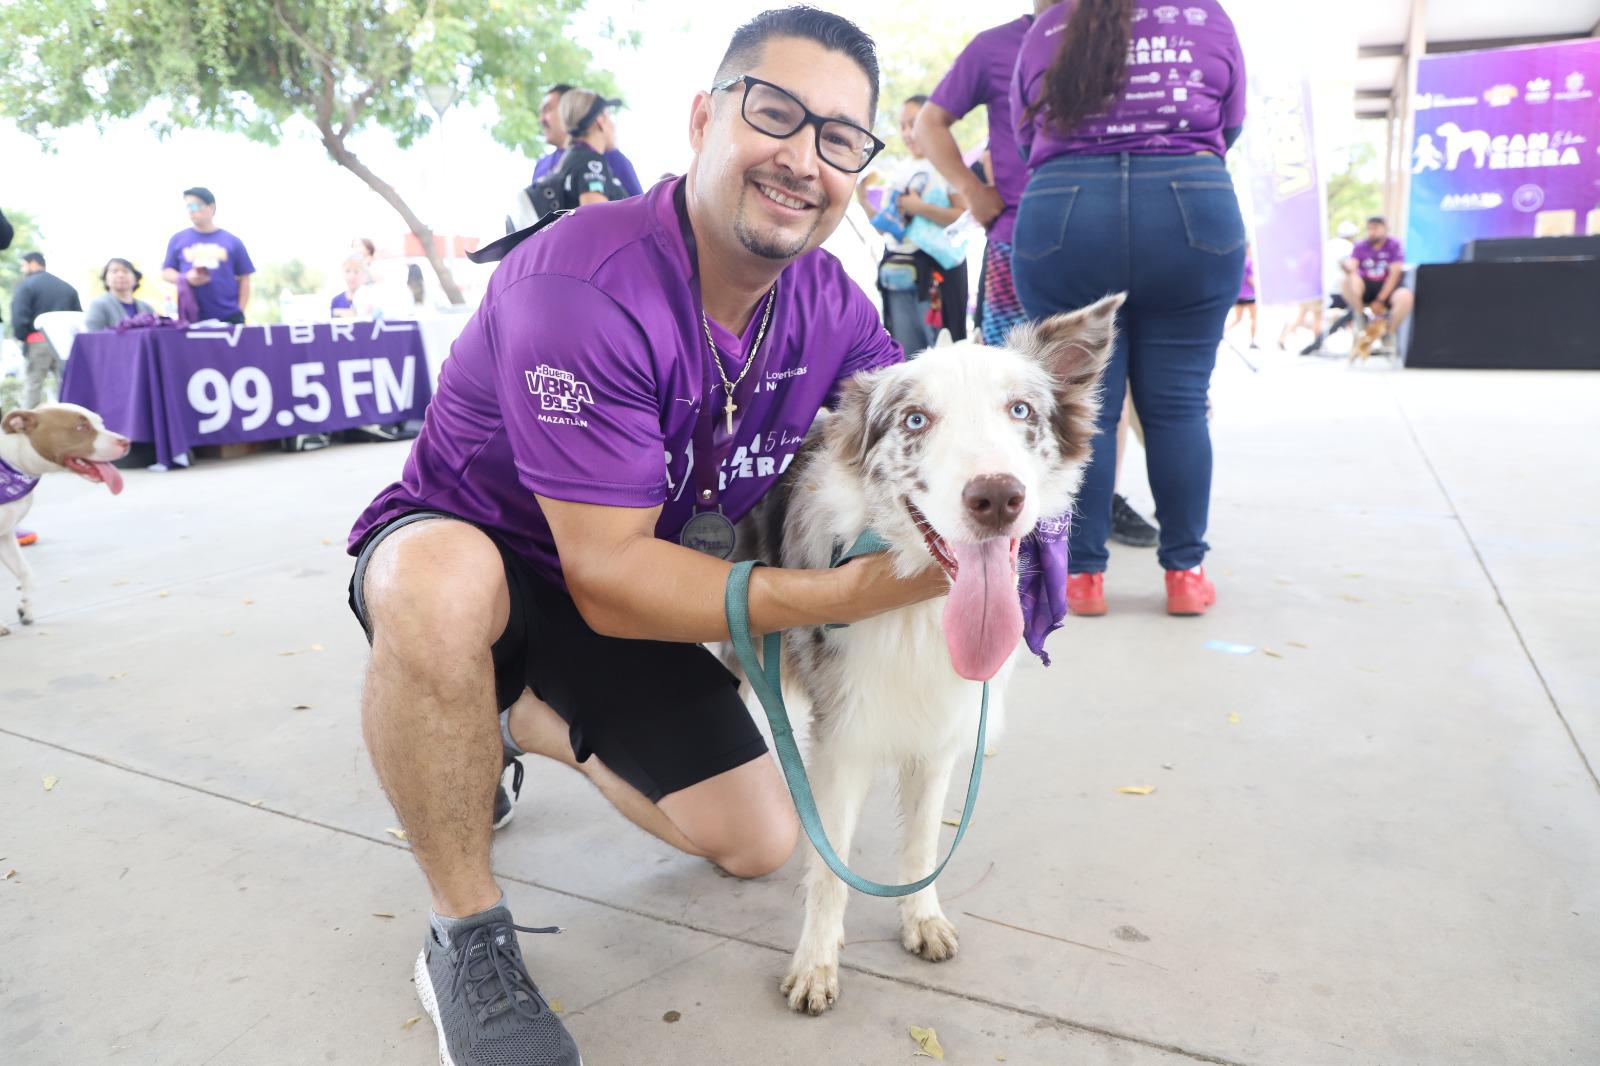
[(1370, 290), (660, 715)]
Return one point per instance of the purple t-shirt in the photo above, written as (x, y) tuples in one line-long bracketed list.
[(1184, 86), (981, 74), (219, 252), (582, 374), (1374, 261)]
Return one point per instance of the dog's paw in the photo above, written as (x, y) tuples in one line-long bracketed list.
[(25, 614), (4, 631), (932, 938), (811, 989)]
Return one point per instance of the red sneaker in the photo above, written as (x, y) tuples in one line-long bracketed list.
[(1189, 592), (26, 537), (1086, 594)]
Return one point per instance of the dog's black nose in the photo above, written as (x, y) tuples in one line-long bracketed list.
[(994, 500)]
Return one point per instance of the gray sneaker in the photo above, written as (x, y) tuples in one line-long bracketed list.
[(486, 1008)]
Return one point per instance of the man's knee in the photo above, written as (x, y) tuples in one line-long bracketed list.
[(437, 584), (762, 847)]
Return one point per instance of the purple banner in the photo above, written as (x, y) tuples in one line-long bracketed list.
[(1286, 192), (1504, 146), (231, 384)]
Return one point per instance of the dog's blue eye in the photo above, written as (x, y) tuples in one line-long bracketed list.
[(1020, 410), (916, 420)]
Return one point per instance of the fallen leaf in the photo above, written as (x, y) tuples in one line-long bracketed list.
[(557, 1006), (999, 1058), (671, 1016), (1130, 934), (227, 632), (286, 654), (9, 875), (247, 602), (118, 676), (409, 1022), (1295, 644), (952, 821), (318, 647), (989, 753), (1355, 573), (327, 540), (398, 834), (1346, 597), (382, 914), (927, 1041), (1233, 718), (1166, 766), (1136, 790), (1274, 654), (163, 594), (302, 706), (257, 803), (50, 782)]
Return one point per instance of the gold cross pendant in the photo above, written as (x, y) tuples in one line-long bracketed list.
[(728, 410)]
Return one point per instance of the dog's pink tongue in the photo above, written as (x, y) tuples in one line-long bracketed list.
[(110, 475), (983, 616)]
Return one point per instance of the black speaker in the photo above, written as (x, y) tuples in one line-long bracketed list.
[(1525, 315), (1501, 249)]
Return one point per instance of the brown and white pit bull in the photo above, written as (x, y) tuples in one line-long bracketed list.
[(49, 439)]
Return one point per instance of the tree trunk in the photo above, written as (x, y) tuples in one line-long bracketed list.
[(347, 159)]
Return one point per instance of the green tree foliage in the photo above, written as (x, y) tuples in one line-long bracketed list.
[(252, 66), (27, 239), (914, 52), (1355, 193), (273, 280)]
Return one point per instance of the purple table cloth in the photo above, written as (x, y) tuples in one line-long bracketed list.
[(179, 388)]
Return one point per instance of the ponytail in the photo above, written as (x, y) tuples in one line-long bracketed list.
[(1088, 71)]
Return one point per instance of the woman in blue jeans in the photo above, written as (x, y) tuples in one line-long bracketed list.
[(1124, 116)]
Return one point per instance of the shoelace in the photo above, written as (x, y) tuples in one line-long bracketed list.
[(516, 780), (501, 963)]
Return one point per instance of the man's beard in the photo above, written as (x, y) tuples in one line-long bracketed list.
[(765, 245)]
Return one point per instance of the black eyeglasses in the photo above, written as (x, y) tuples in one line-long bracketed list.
[(776, 113)]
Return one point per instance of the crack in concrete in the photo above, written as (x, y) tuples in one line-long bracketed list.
[(1499, 599)]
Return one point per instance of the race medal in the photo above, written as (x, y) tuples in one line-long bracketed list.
[(709, 532)]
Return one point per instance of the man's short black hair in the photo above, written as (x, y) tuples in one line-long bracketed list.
[(201, 193), (1379, 219), (919, 99), (33, 257), (560, 88), (833, 32)]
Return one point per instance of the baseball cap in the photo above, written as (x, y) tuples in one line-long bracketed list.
[(1347, 229), (200, 192)]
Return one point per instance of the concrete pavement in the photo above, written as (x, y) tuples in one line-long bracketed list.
[(1372, 840)]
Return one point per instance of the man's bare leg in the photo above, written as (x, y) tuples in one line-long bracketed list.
[(741, 819), (436, 601)]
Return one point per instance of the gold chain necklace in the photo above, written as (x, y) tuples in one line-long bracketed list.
[(716, 356)]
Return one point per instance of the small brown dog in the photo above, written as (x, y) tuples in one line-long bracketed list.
[(49, 439)]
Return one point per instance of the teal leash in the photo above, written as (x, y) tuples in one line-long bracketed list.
[(765, 677)]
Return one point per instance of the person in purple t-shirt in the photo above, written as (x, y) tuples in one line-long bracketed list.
[(634, 366), (1123, 113), (556, 134), (208, 263), (981, 76), (1372, 280)]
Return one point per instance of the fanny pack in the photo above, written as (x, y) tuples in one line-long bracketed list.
[(897, 273)]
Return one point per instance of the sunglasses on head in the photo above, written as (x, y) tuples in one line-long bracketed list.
[(774, 111)]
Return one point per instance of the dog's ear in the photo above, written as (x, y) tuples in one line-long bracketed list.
[(19, 422), (945, 340), (1074, 349), (846, 430)]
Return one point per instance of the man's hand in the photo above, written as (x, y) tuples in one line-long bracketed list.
[(911, 205), (198, 276), (985, 203), (871, 586)]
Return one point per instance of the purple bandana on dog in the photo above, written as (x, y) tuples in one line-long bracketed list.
[(14, 484), (1042, 569)]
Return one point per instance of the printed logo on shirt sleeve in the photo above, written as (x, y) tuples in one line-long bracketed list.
[(561, 396)]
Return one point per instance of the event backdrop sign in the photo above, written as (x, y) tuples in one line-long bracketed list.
[(1287, 201), (1507, 144)]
